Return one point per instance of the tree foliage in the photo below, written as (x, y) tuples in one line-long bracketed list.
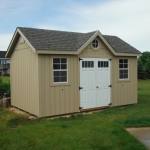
[(144, 66), (4, 88)]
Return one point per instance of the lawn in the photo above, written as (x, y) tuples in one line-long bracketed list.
[(5, 79), (103, 130)]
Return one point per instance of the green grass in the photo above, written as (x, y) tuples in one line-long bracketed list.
[(103, 130), (5, 79)]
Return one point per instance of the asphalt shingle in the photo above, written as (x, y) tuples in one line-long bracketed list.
[(42, 39), (119, 45)]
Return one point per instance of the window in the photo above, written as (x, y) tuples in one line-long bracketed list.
[(59, 69), (103, 64), (87, 64), (95, 44), (123, 69)]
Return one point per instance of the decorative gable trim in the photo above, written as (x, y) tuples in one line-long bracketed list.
[(107, 44)]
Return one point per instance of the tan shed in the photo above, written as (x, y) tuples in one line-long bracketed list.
[(57, 72)]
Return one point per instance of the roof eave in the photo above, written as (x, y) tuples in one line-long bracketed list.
[(128, 54), (56, 52)]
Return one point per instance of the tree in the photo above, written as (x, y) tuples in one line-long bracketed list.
[(147, 69), (144, 66), (141, 71), (145, 57)]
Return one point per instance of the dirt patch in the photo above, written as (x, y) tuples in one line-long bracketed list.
[(22, 112), (142, 134)]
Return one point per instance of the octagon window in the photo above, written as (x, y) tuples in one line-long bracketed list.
[(95, 44)]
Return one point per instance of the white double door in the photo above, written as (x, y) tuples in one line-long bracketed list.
[(94, 82)]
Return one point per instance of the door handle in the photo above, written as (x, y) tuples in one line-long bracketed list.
[(97, 87)]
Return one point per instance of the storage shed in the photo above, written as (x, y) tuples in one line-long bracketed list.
[(57, 72)]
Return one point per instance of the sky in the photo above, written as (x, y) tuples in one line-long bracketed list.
[(127, 19)]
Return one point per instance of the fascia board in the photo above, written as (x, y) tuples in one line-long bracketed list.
[(10, 45), (88, 42), (107, 44), (127, 54), (92, 38), (56, 52)]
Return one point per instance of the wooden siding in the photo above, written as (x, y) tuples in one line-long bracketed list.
[(124, 92), (102, 52), (33, 90), (56, 99), (24, 79)]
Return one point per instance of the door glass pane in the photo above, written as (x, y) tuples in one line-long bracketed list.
[(88, 64), (85, 64), (107, 64), (102, 64), (92, 64), (82, 64), (99, 64)]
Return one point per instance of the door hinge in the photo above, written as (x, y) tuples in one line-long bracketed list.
[(80, 59), (109, 104), (80, 108), (110, 86), (80, 88), (109, 59)]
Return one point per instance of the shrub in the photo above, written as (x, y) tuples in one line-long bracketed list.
[(4, 88)]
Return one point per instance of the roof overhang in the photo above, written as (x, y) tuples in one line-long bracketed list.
[(97, 34), (84, 46)]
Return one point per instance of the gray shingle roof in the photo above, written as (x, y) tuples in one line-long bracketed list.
[(55, 40), (2, 54), (119, 45), (42, 39)]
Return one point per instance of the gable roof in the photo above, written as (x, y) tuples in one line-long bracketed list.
[(56, 42), (2, 54)]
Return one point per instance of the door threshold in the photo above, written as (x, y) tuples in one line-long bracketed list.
[(95, 108)]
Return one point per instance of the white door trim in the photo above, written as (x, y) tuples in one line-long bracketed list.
[(94, 82)]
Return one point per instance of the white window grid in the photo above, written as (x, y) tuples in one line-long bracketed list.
[(60, 69), (124, 68), (95, 44)]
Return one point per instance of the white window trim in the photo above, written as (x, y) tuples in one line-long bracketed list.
[(122, 69), (98, 48), (59, 70)]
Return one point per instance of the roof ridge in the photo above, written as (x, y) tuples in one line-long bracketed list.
[(56, 30)]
